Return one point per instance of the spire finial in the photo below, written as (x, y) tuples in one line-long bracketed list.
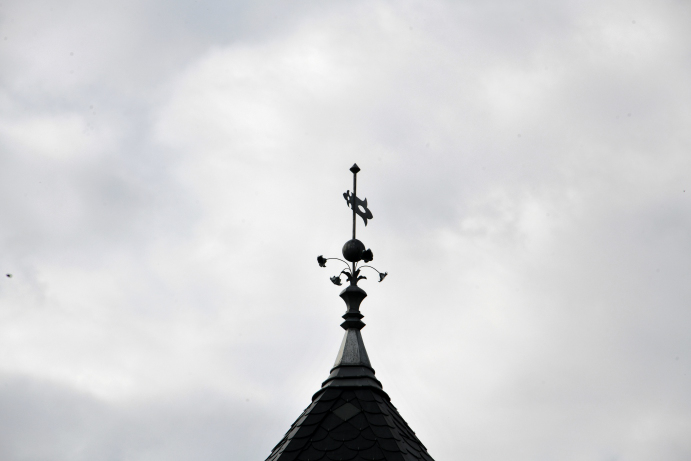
[(354, 250), (352, 367)]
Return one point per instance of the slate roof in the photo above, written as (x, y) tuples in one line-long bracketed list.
[(344, 424)]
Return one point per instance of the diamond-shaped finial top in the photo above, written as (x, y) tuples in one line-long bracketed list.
[(354, 168)]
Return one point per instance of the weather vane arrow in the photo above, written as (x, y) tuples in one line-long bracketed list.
[(354, 250), (359, 206)]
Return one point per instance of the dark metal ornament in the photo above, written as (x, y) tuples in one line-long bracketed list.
[(354, 250), (358, 206)]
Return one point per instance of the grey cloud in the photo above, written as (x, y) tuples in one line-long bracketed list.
[(168, 186), (42, 420)]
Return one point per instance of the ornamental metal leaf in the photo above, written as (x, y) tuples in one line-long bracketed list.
[(367, 256)]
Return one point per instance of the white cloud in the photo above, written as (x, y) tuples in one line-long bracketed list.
[(63, 137)]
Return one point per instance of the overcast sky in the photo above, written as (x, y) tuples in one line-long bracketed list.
[(169, 171)]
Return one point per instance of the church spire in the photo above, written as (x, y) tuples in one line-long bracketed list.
[(351, 417)]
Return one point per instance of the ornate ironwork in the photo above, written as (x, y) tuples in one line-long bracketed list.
[(358, 206), (354, 250)]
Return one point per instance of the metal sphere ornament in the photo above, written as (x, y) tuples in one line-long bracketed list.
[(353, 250)]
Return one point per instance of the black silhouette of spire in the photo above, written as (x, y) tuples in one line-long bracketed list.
[(351, 417)]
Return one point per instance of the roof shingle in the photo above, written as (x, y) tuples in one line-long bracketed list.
[(343, 424)]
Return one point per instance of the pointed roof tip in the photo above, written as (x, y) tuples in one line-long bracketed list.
[(354, 168)]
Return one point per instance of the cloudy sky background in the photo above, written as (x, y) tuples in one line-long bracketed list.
[(169, 172)]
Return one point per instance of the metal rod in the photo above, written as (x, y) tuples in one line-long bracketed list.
[(353, 203)]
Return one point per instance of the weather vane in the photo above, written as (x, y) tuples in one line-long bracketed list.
[(354, 250)]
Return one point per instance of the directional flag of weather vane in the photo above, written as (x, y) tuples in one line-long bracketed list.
[(354, 250)]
